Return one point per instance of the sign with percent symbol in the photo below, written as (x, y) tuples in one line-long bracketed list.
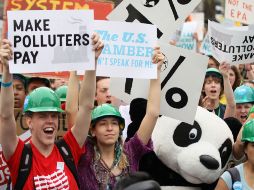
[(182, 76), (167, 15)]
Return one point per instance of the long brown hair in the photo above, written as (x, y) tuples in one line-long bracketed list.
[(238, 77), (119, 155)]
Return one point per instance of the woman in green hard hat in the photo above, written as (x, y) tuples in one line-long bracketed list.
[(106, 158), (244, 98), (245, 170), (215, 84), (42, 108)]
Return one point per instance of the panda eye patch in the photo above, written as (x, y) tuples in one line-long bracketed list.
[(225, 151), (186, 134)]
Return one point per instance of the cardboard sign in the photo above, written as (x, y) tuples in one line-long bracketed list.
[(182, 78), (166, 15), (233, 45), (45, 41), (240, 11), (187, 41), (128, 48)]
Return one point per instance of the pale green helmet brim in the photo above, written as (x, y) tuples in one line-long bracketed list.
[(45, 109)]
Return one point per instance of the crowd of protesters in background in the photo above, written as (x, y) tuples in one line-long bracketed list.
[(106, 136)]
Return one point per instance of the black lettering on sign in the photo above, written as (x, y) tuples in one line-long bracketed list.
[(172, 6), (175, 90), (135, 14), (128, 85), (172, 71), (176, 104)]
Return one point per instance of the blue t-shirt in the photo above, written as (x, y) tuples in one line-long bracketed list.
[(227, 178)]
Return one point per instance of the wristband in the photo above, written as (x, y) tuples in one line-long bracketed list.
[(6, 85)]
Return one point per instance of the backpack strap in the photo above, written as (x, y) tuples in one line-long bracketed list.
[(24, 167), (235, 176), (66, 154), (26, 163)]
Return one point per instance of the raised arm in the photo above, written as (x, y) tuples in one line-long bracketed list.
[(238, 147), (153, 104), (231, 106), (71, 108), (9, 139), (86, 97)]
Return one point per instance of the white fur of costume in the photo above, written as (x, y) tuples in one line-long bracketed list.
[(198, 152)]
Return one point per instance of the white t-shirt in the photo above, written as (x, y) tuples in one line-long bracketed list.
[(228, 180)]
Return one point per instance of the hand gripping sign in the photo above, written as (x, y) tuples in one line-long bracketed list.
[(167, 15), (182, 76)]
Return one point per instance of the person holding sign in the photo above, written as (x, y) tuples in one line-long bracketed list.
[(42, 108), (106, 158)]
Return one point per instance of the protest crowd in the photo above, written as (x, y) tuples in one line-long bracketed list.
[(82, 96)]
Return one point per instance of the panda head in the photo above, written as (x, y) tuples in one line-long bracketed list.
[(198, 152)]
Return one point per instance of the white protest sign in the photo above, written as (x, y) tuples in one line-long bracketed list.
[(182, 78), (128, 48), (45, 41), (205, 46), (187, 40), (240, 10), (231, 46), (166, 15)]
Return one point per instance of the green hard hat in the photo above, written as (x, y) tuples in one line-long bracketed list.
[(61, 92), (107, 110), (244, 94), (213, 72), (248, 131), (42, 99)]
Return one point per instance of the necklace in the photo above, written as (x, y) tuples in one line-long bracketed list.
[(103, 175), (106, 166)]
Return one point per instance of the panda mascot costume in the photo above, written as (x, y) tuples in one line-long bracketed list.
[(189, 156)]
